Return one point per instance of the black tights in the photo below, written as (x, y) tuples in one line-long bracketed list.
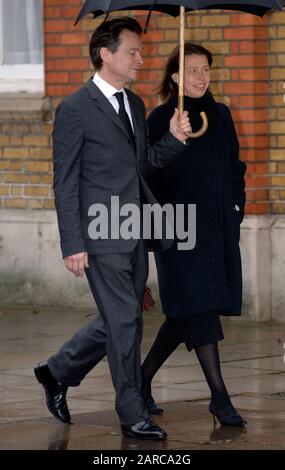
[(167, 340)]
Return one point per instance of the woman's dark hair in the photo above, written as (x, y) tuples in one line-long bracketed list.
[(168, 88), (108, 35)]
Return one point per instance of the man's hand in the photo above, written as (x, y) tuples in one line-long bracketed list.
[(179, 127), (77, 263)]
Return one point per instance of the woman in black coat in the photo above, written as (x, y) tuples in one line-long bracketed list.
[(199, 285)]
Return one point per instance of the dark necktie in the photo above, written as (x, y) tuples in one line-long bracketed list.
[(123, 115)]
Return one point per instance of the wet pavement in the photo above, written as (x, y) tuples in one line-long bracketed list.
[(253, 368)]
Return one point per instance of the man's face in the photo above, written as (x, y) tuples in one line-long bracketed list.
[(123, 65)]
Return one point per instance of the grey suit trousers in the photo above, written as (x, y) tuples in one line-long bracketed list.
[(117, 282)]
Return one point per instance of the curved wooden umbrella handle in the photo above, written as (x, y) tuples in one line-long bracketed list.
[(194, 135)]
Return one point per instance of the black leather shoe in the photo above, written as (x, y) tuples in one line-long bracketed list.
[(55, 393), (152, 407), (229, 417), (143, 430)]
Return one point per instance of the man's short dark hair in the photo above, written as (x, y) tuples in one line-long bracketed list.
[(108, 35)]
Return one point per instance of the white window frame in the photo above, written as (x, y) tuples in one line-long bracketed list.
[(21, 79)]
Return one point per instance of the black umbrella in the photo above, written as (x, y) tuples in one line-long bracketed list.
[(172, 7), (175, 8)]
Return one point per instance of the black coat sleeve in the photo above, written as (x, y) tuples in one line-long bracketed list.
[(157, 127), (164, 150), (158, 123), (238, 168)]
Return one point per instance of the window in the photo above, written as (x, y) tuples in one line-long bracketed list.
[(21, 46)]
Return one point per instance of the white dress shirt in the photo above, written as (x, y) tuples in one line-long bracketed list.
[(109, 91)]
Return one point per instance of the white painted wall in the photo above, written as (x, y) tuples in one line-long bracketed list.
[(32, 271)]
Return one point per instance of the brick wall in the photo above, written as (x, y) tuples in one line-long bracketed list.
[(249, 57), (277, 112), (25, 165)]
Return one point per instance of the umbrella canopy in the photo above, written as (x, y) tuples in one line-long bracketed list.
[(255, 7), (175, 8), (172, 7)]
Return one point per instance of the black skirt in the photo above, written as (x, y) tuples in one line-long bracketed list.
[(197, 330)]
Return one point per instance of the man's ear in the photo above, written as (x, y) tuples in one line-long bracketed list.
[(105, 54)]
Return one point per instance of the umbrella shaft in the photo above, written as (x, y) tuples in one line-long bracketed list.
[(181, 61)]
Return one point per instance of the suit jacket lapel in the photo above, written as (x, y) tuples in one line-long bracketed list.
[(104, 104)]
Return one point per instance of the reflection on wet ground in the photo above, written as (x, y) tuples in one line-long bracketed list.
[(252, 363)]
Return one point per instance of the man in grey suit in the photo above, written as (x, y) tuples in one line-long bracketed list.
[(101, 150)]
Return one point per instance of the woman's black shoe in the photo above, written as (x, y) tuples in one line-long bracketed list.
[(152, 406), (230, 418)]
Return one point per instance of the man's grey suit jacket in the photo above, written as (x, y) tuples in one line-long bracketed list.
[(95, 159)]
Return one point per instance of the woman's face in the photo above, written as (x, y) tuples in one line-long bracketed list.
[(197, 75)]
